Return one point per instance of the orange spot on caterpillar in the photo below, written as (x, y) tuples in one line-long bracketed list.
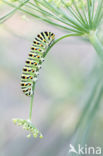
[(39, 49), (44, 40), (31, 77), (38, 56), (35, 63)]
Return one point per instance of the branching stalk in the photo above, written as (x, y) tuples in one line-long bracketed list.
[(59, 39), (96, 44)]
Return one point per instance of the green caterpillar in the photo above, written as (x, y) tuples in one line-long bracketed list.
[(34, 61)]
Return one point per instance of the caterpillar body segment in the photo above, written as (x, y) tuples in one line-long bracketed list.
[(34, 61)]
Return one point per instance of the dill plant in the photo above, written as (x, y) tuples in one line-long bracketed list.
[(76, 18)]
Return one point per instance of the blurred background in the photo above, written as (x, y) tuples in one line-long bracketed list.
[(67, 85)]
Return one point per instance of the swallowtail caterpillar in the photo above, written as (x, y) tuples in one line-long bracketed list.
[(34, 61), (30, 73)]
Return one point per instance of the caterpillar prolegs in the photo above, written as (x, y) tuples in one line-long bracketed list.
[(34, 61)]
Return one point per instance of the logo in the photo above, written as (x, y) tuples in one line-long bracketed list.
[(85, 150)]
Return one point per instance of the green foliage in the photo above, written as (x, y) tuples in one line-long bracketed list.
[(73, 16)]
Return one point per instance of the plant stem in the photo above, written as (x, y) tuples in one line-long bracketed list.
[(96, 44), (91, 112), (88, 104), (31, 104), (32, 97), (59, 39)]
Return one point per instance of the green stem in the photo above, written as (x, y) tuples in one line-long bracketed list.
[(96, 44), (32, 97), (31, 104), (88, 105), (59, 39), (87, 120)]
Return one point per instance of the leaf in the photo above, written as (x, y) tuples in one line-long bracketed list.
[(11, 13)]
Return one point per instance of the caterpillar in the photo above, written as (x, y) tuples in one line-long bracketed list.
[(34, 61)]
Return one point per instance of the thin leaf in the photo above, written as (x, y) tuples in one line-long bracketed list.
[(11, 13)]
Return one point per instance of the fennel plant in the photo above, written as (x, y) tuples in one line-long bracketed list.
[(74, 17)]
